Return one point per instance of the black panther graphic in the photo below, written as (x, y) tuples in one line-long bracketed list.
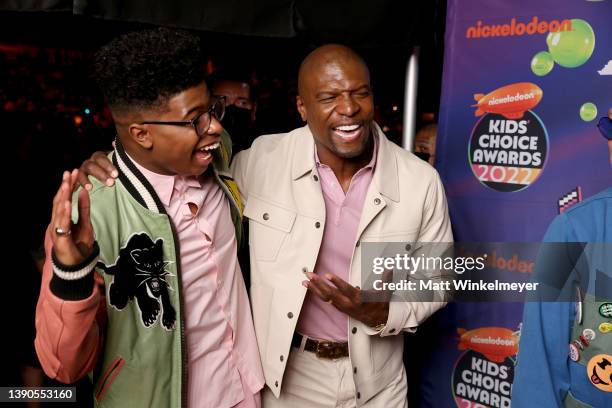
[(140, 271)]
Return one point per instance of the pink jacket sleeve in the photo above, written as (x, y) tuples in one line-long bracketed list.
[(68, 332)]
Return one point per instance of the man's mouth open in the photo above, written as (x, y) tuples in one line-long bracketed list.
[(204, 153), (348, 133)]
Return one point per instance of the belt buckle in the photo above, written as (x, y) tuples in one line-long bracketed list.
[(325, 349), (329, 349)]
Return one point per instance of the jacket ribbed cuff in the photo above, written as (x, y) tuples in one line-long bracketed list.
[(74, 282)]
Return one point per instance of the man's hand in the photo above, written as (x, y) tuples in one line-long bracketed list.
[(72, 243), (347, 298), (100, 167)]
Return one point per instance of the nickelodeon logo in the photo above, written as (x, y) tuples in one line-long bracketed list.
[(517, 29)]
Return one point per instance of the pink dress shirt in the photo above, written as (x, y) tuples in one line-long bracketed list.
[(224, 367), (320, 320)]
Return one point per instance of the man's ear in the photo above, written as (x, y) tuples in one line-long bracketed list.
[(141, 135), (301, 108)]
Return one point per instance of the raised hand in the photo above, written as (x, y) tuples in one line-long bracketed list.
[(100, 167), (72, 243)]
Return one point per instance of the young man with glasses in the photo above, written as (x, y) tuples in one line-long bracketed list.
[(145, 289)]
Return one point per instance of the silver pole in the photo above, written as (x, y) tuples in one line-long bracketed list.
[(410, 100)]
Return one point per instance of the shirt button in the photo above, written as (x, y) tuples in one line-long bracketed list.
[(315, 177), (377, 201), (290, 315), (392, 331), (317, 224), (304, 269), (266, 216), (354, 330), (276, 383), (354, 370), (358, 395), (357, 244)]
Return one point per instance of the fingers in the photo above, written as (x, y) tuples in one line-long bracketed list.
[(60, 217), (326, 292), (100, 167), (84, 209), (61, 228), (83, 180), (104, 162), (74, 174), (342, 285)]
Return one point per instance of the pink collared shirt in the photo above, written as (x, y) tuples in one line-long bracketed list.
[(320, 320), (224, 366)]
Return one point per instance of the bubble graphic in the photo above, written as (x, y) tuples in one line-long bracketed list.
[(542, 63), (588, 112), (570, 49)]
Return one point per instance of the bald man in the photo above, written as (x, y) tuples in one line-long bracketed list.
[(312, 196)]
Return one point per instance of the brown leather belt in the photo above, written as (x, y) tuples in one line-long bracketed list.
[(322, 348)]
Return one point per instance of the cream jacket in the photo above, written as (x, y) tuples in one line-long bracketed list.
[(277, 179)]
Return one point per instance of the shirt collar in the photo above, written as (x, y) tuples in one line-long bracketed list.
[(164, 184)]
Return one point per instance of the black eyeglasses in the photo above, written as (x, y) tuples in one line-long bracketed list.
[(200, 123)]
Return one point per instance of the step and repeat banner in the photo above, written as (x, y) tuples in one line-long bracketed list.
[(525, 84)]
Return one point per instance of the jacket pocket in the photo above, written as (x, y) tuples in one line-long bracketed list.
[(109, 377), (270, 226)]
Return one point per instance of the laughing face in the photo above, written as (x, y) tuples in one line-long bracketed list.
[(336, 101), (179, 149), (599, 371)]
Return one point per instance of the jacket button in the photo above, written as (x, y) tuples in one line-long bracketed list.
[(266, 216), (357, 244), (354, 330), (290, 315), (317, 224), (276, 383), (392, 331), (354, 370), (304, 269), (408, 247), (377, 201), (315, 177), (282, 358), (358, 395)]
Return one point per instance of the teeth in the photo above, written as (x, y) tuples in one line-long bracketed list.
[(210, 147), (348, 128)]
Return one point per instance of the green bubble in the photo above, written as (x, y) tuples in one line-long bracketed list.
[(570, 49), (542, 63), (588, 111)]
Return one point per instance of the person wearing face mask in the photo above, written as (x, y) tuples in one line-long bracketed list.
[(425, 143), (241, 108)]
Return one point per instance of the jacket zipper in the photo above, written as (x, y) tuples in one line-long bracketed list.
[(109, 377)]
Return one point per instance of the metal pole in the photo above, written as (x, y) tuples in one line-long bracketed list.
[(410, 99)]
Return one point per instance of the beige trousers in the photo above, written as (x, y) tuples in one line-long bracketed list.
[(312, 382)]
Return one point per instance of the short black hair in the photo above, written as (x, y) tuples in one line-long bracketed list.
[(143, 69), (235, 75)]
